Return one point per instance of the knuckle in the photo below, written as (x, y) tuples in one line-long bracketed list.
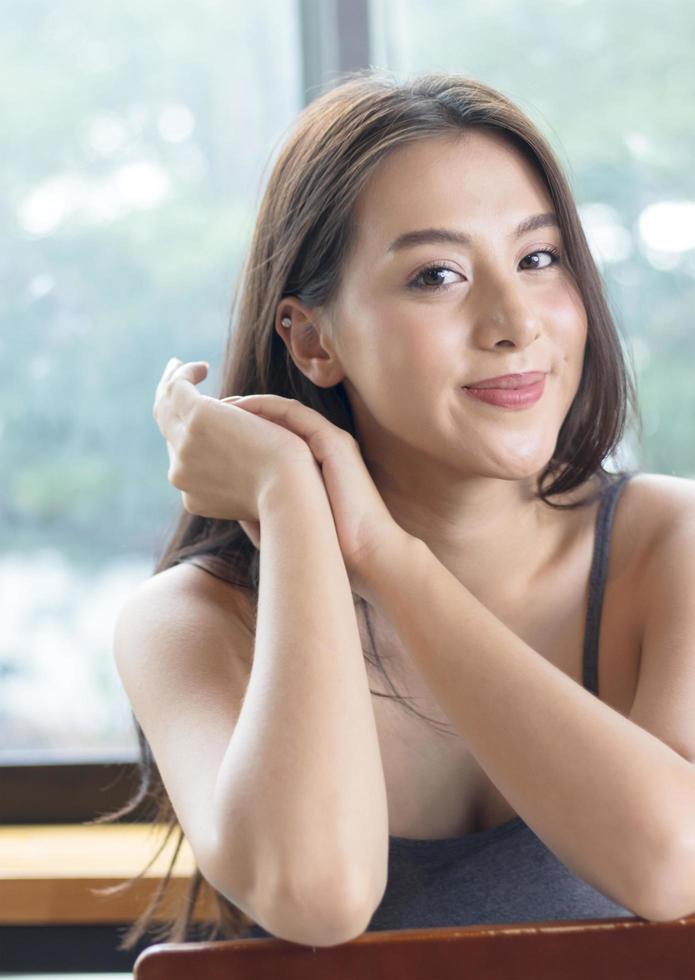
[(196, 505), (346, 437), (189, 436), (175, 475), (194, 421), (183, 453)]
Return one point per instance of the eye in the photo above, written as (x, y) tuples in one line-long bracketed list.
[(552, 252), (419, 280)]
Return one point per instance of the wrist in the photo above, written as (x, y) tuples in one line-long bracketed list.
[(397, 553), (294, 483)]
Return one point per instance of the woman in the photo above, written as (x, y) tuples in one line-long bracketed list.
[(379, 488)]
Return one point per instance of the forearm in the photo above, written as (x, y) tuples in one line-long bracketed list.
[(604, 794), (302, 782)]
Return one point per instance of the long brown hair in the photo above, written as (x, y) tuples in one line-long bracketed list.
[(302, 236)]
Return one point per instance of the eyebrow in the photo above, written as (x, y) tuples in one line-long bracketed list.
[(447, 235)]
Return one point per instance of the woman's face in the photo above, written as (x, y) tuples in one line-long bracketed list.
[(416, 322)]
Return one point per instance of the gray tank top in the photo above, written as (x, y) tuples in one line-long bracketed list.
[(506, 873)]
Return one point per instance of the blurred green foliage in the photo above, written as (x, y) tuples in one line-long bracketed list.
[(93, 308)]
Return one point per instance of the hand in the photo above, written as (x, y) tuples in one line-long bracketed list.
[(219, 457), (363, 522)]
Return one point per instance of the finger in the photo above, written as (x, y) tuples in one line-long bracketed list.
[(172, 364), (170, 454), (169, 424), (169, 369), (181, 390), (165, 411), (168, 399), (172, 368)]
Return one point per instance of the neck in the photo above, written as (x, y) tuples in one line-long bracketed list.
[(495, 535)]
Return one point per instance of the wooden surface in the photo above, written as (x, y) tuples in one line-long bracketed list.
[(586, 949), (47, 873)]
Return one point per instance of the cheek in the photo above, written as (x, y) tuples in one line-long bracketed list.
[(572, 365), (401, 349), (422, 351), (377, 359), (565, 311), (405, 367)]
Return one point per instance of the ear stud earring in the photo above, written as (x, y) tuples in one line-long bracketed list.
[(286, 321)]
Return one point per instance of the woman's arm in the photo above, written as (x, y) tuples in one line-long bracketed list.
[(613, 801), (602, 792), (301, 785), (273, 766)]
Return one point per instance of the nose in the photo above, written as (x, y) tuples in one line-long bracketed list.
[(504, 314)]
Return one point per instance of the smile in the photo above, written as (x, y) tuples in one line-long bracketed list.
[(514, 398)]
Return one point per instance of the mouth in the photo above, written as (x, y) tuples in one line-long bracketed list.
[(509, 380), (510, 396)]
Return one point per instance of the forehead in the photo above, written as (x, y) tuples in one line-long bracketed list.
[(477, 182)]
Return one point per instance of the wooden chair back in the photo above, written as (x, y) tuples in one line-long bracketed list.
[(584, 949)]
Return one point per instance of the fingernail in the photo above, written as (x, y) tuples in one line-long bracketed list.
[(233, 398)]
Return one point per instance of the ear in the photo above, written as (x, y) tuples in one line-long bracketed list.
[(307, 336)]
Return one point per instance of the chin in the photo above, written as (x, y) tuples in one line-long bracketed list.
[(520, 469)]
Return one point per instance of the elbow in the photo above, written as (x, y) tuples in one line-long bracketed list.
[(669, 892), (298, 901), (322, 913), (330, 928)]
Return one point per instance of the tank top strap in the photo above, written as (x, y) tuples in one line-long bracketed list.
[(597, 579)]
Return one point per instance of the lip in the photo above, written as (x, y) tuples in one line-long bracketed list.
[(517, 398), (510, 380)]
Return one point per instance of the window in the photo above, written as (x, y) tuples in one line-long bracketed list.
[(136, 138), (136, 141)]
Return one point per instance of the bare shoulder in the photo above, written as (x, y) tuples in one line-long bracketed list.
[(653, 511), (652, 506), (188, 598), (655, 503), (181, 652), (206, 586), (665, 694)]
